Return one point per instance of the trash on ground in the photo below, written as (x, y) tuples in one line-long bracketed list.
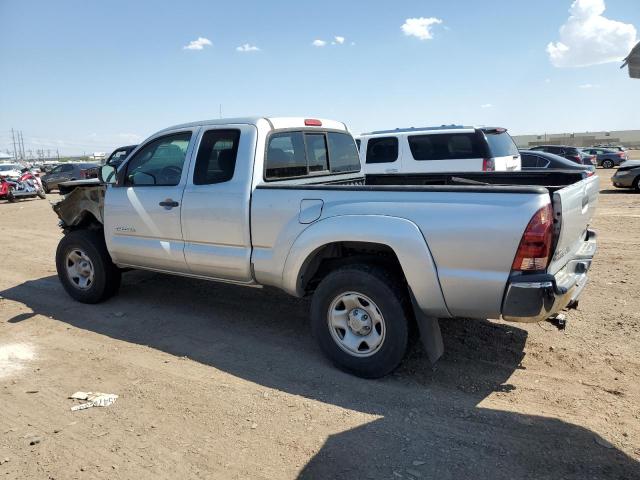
[(95, 399)]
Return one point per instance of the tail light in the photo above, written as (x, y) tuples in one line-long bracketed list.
[(488, 165), (576, 158), (535, 246), (83, 174), (590, 173), (312, 122), (621, 154)]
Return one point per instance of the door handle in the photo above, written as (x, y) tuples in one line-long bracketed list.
[(168, 204)]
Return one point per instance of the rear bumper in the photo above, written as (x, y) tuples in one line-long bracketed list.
[(533, 298)]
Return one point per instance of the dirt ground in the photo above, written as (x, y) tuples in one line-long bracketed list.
[(217, 381)]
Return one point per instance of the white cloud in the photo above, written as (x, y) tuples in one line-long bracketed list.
[(319, 43), (339, 40), (247, 48), (198, 44), (420, 27), (588, 38), (486, 105), (588, 85)]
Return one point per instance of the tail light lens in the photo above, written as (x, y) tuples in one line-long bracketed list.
[(312, 122), (576, 158), (83, 174), (535, 246), (621, 155), (488, 165)]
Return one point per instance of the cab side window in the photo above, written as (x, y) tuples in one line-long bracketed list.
[(216, 161), (160, 162)]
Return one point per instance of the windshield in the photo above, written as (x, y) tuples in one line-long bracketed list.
[(9, 166)]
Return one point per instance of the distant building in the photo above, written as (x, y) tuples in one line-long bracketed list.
[(5, 156), (627, 138)]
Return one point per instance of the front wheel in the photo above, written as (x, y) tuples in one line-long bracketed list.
[(85, 268), (607, 164), (360, 318)]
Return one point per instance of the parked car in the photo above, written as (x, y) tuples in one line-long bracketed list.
[(607, 158), (11, 171), (628, 175), (115, 159), (65, 172), (449, 148), (537, 159), (618, 148), (571, 153), (283, 202)]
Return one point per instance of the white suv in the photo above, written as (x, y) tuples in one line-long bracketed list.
[(449, 148)]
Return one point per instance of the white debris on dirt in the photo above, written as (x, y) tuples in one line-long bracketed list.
[(13, 357), (95, 399)]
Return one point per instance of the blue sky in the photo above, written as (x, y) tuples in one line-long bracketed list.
[(89, 76)]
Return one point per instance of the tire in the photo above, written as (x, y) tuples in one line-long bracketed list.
[(10, 196), (45, 188), (607, 164), (390, 300), (86, 248), (636, 184), (42, 194)]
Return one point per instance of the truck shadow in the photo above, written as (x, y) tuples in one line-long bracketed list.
[(431, 424)]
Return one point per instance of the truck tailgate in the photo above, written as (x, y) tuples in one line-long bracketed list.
[(573, 208)]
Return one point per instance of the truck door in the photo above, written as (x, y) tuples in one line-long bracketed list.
[(216, 204), (142, 211)]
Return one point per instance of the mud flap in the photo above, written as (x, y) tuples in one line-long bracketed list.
[(430, 334)]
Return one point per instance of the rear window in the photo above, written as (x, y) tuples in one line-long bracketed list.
[(297, 154), (342, 156), (382, 150), (501, 145), (446, 146)]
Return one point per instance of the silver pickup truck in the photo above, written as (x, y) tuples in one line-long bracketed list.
[(283, 202)]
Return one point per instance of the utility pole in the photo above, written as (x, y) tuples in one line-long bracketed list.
[(22, 146), (220, 111), (13, 138), (58, 154)]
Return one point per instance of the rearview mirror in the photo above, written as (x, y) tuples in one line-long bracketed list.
[(107, 174)]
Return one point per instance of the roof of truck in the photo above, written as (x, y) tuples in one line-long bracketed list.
[(276, 122)]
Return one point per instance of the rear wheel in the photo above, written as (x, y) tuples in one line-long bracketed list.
[(10, 195), (607, 164), (360, 318), (85, 268), (636, 184)]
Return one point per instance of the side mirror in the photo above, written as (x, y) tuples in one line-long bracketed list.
[(107, 174)]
